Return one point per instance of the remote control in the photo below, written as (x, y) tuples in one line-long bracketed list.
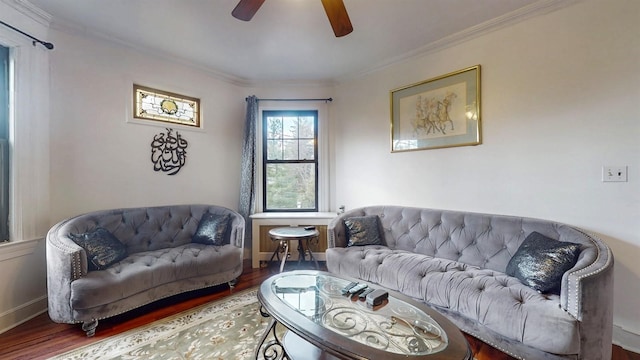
[(363, 295), (356, 289), (376, 297), (345, 290), (310, 228)]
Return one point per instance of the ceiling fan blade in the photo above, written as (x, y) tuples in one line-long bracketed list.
[(246, 9), (338, 17)]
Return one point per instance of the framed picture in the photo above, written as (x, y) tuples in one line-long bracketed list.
[(165, 107), (437, 113)]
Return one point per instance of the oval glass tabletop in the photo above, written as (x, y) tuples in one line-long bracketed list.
[(396, 326)]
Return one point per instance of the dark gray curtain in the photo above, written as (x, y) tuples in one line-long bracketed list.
[(248, 167)]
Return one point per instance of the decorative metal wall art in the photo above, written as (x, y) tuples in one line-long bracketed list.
[(168, 152), (164, 106)]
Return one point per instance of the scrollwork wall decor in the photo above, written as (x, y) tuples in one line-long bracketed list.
[(168, 152)]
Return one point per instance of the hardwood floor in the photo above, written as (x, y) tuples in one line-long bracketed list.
[(41, 338)]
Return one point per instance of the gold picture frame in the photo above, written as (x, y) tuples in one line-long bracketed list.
[(437, 113), (167, 107)]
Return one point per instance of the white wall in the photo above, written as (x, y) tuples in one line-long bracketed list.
[(100, 161), (559, 100)]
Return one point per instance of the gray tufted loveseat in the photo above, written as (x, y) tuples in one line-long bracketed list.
[(456, 261), (161, 261)]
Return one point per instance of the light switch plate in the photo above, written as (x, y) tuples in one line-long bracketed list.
[(614, 173)]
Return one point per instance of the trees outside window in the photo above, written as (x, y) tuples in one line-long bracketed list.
[(290, 160)]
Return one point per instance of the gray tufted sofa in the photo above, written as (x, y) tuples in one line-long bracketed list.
[(162, 261), (455, 261)]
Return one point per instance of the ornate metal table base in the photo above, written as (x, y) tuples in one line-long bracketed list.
[(273, 349), (319, 322), (285, 234), (276, 349), (283, 247)]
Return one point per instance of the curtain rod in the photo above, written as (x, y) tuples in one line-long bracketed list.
[(325, 100), (48, 45)]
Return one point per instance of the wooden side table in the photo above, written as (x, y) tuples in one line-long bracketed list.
[(286, 234)]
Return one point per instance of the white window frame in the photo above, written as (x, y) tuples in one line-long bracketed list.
[(323, 147), (28, 140)]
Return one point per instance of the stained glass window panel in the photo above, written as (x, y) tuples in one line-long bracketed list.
[(158, 105)]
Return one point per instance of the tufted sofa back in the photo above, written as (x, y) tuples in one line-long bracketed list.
[(153, 228), (483, 240)]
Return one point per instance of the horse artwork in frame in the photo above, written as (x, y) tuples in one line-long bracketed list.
[(437, 113)]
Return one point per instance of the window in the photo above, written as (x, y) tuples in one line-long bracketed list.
[(4, 143), (158, 105), (290, 160)]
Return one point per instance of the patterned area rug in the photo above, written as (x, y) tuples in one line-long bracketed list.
[(226, 329)]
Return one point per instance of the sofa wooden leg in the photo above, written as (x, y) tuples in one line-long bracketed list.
[(90, 327)]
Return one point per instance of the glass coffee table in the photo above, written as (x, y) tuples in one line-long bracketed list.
[(322, 323)]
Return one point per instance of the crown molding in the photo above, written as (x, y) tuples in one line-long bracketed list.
[(75, 29), (79, 30), (30, 10), (536, 9), (320, 83)]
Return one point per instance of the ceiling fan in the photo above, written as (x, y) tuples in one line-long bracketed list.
[(336, 12)]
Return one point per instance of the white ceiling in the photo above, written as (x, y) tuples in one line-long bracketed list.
[(287, 40)]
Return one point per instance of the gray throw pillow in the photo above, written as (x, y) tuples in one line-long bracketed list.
[(212, 229), (540, 262), (103, 248), (363, 230)]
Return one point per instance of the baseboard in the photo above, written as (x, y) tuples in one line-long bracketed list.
[(626, 339), (23, 313)]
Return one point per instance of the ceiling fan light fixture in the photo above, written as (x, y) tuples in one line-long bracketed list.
[(338, 17), (335, 9)]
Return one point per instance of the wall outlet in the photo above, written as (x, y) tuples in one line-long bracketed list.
[(614, 173)]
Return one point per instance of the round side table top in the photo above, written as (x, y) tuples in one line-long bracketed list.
[(292, 232)]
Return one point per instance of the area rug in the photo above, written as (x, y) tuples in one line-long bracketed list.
[(225, 329)]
